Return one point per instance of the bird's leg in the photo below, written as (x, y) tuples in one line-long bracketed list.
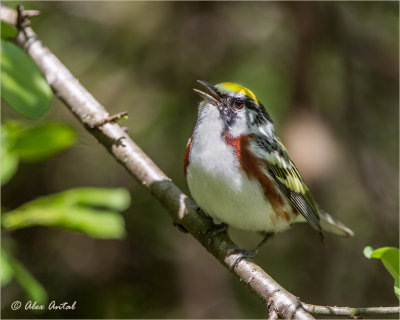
[(248, 254), (213, 231)]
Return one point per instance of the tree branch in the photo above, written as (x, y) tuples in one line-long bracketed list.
[(355, 313), (182, 210)]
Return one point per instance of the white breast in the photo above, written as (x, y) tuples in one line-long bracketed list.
[(219, 186)]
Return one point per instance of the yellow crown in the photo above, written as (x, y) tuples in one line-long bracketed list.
[(230, 87)]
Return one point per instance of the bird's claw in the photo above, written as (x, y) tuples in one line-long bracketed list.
[(213, 231), (241, 254)]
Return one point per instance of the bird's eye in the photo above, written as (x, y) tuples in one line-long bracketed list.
[(239, 103)]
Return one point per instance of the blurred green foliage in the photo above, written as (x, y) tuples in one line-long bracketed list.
[(6, 269), (11, 268), (41, 141), (7, 31), (23, 86), (9, 159), (93, 211), (331, 66), (74, 209), (31, 143), (390, 259)]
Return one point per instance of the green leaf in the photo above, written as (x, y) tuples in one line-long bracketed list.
[(43, 141), (23, 86), (7, 31), (74, 210), (390, 259), (31, 286), (9, 159), (6, 269), (31, 144), (117, 199), (96, 223), (112, 198)]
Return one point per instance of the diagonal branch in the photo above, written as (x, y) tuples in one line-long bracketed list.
[(182, 210)]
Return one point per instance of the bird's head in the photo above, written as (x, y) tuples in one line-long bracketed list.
[(236, 108)]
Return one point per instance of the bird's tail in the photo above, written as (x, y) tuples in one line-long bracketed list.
[(329, 224)]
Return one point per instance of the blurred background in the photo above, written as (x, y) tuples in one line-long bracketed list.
[(327, 72)]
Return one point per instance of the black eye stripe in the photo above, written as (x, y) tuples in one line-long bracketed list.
[(262, 116), (251, 105)]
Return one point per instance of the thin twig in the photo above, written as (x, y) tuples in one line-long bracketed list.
[(23, 19), (355, 313), (111, 119), (182, 210)]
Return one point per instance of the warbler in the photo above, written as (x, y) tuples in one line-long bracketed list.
[(239, 172)]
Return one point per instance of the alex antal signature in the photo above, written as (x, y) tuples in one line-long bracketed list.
[(33, 305)]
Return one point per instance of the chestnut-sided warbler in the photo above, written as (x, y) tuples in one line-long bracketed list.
[(239, 172)]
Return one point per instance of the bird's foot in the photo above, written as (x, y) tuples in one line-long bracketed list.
[(213, 231), (241, 254), (247, 254)]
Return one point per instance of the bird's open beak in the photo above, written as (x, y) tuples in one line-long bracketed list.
[(213, 97)]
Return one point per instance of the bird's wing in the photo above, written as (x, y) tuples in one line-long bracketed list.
[(287, 178)]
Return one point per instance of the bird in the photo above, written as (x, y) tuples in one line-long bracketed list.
[(239, 172)]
